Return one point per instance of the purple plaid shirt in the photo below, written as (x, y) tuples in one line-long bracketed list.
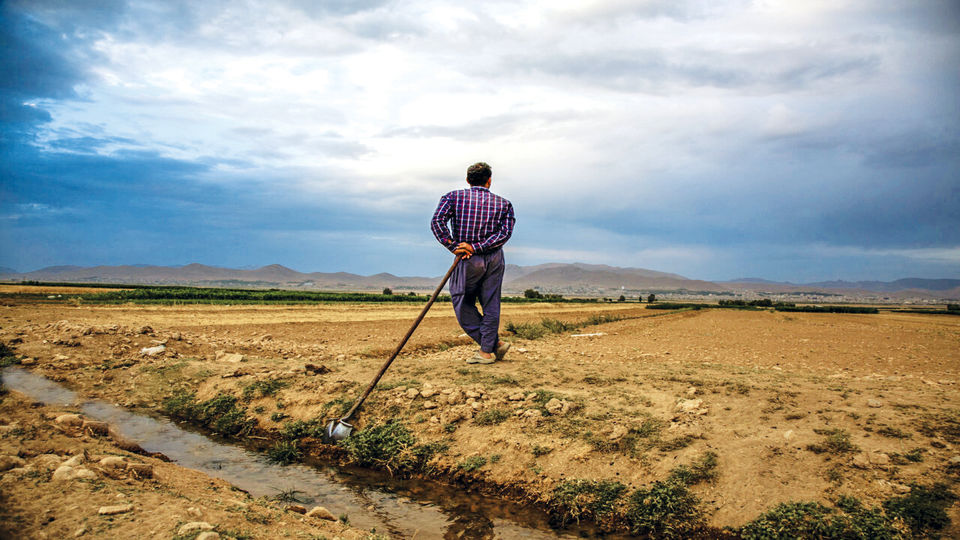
[(480, 218)]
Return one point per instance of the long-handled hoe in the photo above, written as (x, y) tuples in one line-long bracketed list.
[(339, 429)]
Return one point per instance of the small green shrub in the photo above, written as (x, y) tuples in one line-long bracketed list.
[(538, 450), (666, 509), (472, 464), (284, 452), (299, 429), (893, 433), (262, 388), (851, 520), (491, 417), (388, 445), (578, 498), (220, 413), (836, 441), (924, 508), (701, 470), (8, 357)]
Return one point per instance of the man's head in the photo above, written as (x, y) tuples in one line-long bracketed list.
[(478, 174)]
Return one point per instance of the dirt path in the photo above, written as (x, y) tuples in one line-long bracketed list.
[(767, 393)]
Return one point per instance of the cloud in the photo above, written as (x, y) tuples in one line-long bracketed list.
[(704, 136)]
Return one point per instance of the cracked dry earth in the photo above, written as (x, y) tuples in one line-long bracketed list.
[(625, 401)]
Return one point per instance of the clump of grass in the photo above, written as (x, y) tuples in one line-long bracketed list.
[(578, 498), (220, 413), (278, 416), (288, 495), (389, 446), (672, 445), (284, 452), (555, 326), (263, 388), (666, 509), (538, 450), (893, 433), (701, 470), (390, 385), (299, 429), (637, 439), (472, 464), (836, 441), (850, 520), (923, 509), (526, 330), (8, 357), (491, 417)]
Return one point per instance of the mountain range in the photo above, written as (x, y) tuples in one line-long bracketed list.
[(571, 279)]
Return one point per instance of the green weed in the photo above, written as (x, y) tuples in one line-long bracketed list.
[(263, 388), (923, 509), (850, 520), (284, 452), (389, 446), (578, 498), (666, 509), (836, 441), (492, 417), (472, 464)]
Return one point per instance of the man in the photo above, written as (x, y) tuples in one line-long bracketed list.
[(482, 222)]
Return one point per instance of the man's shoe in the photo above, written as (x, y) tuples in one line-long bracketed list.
[(502, 351), (480, 359)]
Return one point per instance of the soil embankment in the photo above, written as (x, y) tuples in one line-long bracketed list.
[(783, 407)]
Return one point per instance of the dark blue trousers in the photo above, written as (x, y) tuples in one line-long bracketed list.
[(479, 278)]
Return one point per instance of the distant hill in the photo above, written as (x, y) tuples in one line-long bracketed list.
[(5, 270), (563, 278)]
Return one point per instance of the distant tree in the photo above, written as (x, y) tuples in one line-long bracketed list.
[(652, 298), (953, 307), (411, 293), (622, 298), (387, 290), (640, 299), (532, 293)]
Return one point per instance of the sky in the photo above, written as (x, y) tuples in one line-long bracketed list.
[(793, 141)]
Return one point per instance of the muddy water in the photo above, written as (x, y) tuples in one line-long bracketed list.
[(403, 509)]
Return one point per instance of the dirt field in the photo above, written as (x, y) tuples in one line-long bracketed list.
[(794, 406)]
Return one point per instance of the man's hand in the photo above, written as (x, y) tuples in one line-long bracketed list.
[(464, 249)]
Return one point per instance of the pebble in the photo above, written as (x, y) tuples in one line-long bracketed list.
[(113, 462), (69, 420), (194, 512), (692, 391), (429, 405), (140, 470), (874, 403), (296, 508), (117, 509), (194, 526), (153, 351), (428, 392), (76, 460), (519, 396), (412, 393), (100, 429), (10, 462), (788, 434), (321, 513), (691, 406), (230, 358)]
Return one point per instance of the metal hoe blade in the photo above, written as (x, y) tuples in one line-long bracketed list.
[(338, 430)]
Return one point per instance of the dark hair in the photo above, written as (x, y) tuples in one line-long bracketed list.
[(478, 174)]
